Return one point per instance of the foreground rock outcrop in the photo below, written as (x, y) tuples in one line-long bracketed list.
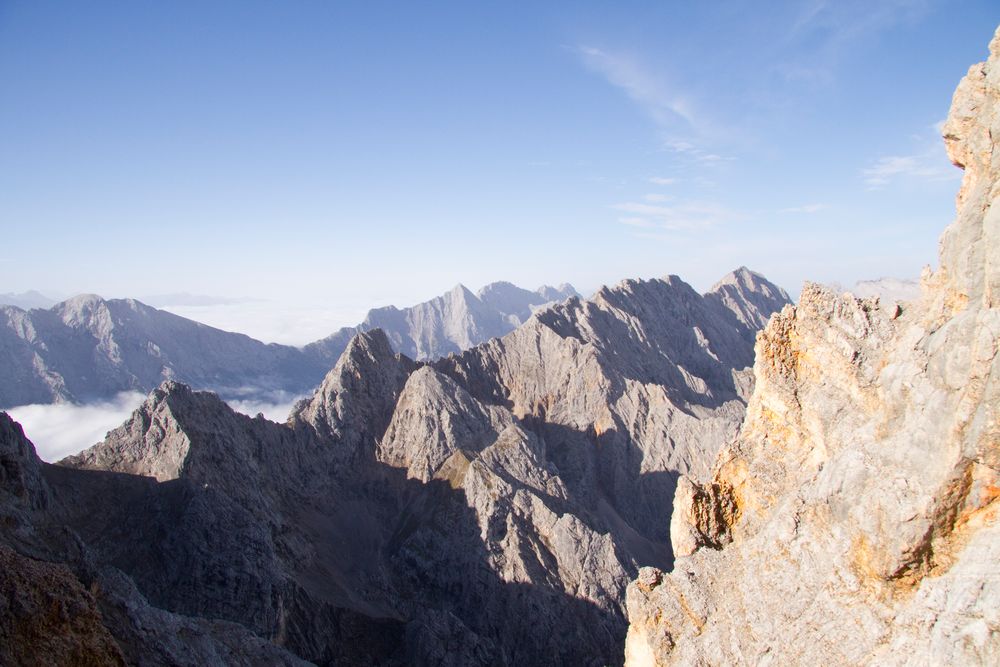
[(487, 509), (855, 518)]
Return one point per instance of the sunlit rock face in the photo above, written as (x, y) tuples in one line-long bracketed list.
[(854, 520)]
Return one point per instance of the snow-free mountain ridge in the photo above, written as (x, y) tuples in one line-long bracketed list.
[(488, 508)]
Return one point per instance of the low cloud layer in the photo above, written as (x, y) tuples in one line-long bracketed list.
[(274, 322), (277, 409), (61, 429)]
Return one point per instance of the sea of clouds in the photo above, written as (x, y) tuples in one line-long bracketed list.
[(60, 429)]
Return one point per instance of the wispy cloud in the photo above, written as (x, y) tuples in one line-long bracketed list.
[(821, 33), (928, 163), (656, 197), (663, 103), (695, 153), (685, 216), (927, 166), (834, 25), (60, 429), (636, 222), (661, 180), (807, 208)]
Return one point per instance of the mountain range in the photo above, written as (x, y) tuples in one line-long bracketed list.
[(88, 348), (486, 508)]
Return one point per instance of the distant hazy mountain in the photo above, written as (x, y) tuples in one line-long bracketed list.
[(450, 323), (30, 299), (889, 289), (886, 289), (89, 348)]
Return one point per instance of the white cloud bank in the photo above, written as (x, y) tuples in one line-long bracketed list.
[(273, 322), (61, 429), (277, 409)]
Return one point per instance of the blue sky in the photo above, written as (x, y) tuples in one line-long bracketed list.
[(382, 152)]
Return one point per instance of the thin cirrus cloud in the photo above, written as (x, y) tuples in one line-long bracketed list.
[(807, 208), (686, 216), (689, 150), (662, 180), (925, 166), (656, 197), (665, 106), (929, 164)]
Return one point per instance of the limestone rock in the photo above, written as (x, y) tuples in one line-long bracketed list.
[(355, 400), (857, 510)]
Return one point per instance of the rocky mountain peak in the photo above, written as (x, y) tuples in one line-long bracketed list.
[(83, 310), (487, 509), (156, 440), (460, 293), (750, 297), (354, 401)]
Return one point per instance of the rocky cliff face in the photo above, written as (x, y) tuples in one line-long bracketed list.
[(855, 519), (487, 509)]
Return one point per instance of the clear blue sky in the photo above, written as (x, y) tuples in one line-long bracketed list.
[(383, 152)]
